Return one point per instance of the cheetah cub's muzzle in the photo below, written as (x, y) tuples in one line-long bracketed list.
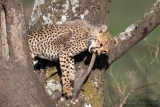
[(101, 42)]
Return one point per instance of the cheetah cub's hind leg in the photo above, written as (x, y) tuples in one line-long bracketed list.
[(65, 65), (72, 70)]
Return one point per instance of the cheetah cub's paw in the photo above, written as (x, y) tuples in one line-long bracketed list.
[(68, 92), (72, 77)]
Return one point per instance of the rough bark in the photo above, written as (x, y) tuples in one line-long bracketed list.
[(47, 12), (19, 86)]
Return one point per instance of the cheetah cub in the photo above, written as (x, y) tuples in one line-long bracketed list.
[(64, 41)]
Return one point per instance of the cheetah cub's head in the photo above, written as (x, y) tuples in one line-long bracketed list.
[(101, 41)]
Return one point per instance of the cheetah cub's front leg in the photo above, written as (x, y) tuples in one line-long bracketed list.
[(68, 73)]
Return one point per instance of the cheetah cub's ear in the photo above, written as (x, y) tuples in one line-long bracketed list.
[(103, 29)]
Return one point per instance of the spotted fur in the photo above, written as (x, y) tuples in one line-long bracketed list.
[(64, 41)]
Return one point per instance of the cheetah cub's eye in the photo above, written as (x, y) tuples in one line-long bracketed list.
[(100, 31)]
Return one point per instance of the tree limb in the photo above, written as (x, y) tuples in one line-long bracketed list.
[(81, 76), (136, 32)]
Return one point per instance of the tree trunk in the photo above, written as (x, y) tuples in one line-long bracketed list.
[(19, 86), (48, 12)]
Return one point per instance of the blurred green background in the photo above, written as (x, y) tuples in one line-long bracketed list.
[(139, 66)]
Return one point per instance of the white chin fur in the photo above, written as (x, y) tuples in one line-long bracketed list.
[(92, 44)]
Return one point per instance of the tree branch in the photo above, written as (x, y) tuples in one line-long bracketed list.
[(135, 32), (81, 76)]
